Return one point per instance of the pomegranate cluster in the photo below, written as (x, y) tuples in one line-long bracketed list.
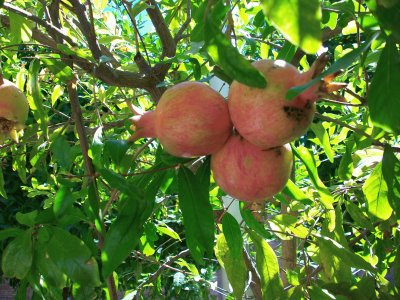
[(246, 136)]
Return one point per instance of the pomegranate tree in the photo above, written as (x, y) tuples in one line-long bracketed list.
[(249, 173), (191, 119), (14, 109), (263, 116)]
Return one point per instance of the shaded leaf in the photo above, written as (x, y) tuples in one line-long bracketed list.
[(391, 175), (298, 20), (384, 91), (233, 235), (197, 214), (10, 232), (28, 219), (2, 188), (346, 166), (62, 152), (73, 257), (18, 256), (63, 200)]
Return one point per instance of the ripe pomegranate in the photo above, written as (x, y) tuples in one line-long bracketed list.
[(191, 119), (263, 116), (247, 172), (14, 110)]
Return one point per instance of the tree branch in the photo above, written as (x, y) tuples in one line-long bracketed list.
[(255, 284), (87, 29), (39, 21), (156, 17)]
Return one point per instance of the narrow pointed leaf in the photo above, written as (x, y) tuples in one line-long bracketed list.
[(268, 268), (197, 214), (234, 266)]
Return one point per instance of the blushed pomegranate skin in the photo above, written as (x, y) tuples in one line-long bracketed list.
[(14, 109), (249, 173), (263, 116), (191, 119), (13, 104)]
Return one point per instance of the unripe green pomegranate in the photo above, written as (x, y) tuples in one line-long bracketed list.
[(14, 109)]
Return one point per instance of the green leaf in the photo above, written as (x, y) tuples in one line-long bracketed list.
[(358, 216), (268, 268), (165, 229), (252, 223), (9, 232), (346, 166), (294, 192), (58, 91), (123, 235), (383, 94), (47, 267), (388, 14), (58, 68), (18, 256), (298, 20), (288, 224), (21, 28), (233, 235), (325, 196), (342, 63), (34, 90), (287, 52), (234, 266), (391, 175), (19, 161), (2, 188), (63, 200), (198, 217), (228, 57), (316, 292), (120, 183), (63, 153), (28, 219), (345, 255), (116, 150), (376, 191), (323, 136), (73, 257)]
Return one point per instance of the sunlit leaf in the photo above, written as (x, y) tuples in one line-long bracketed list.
[(391, 175), (298, 20), (268, 268), (234, 266), (376, 191), (323, 137)]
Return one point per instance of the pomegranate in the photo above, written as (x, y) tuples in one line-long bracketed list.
[(263, 116), (191, 119), (247, 172), (14, 110)]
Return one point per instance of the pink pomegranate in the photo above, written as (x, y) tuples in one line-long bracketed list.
[(263, 116), (191, 119), (14, 110), (248, 173)]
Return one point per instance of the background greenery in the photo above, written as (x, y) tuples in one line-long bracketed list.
[(85, 214)]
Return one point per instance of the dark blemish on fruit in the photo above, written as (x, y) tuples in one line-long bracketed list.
[(295, 113)]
